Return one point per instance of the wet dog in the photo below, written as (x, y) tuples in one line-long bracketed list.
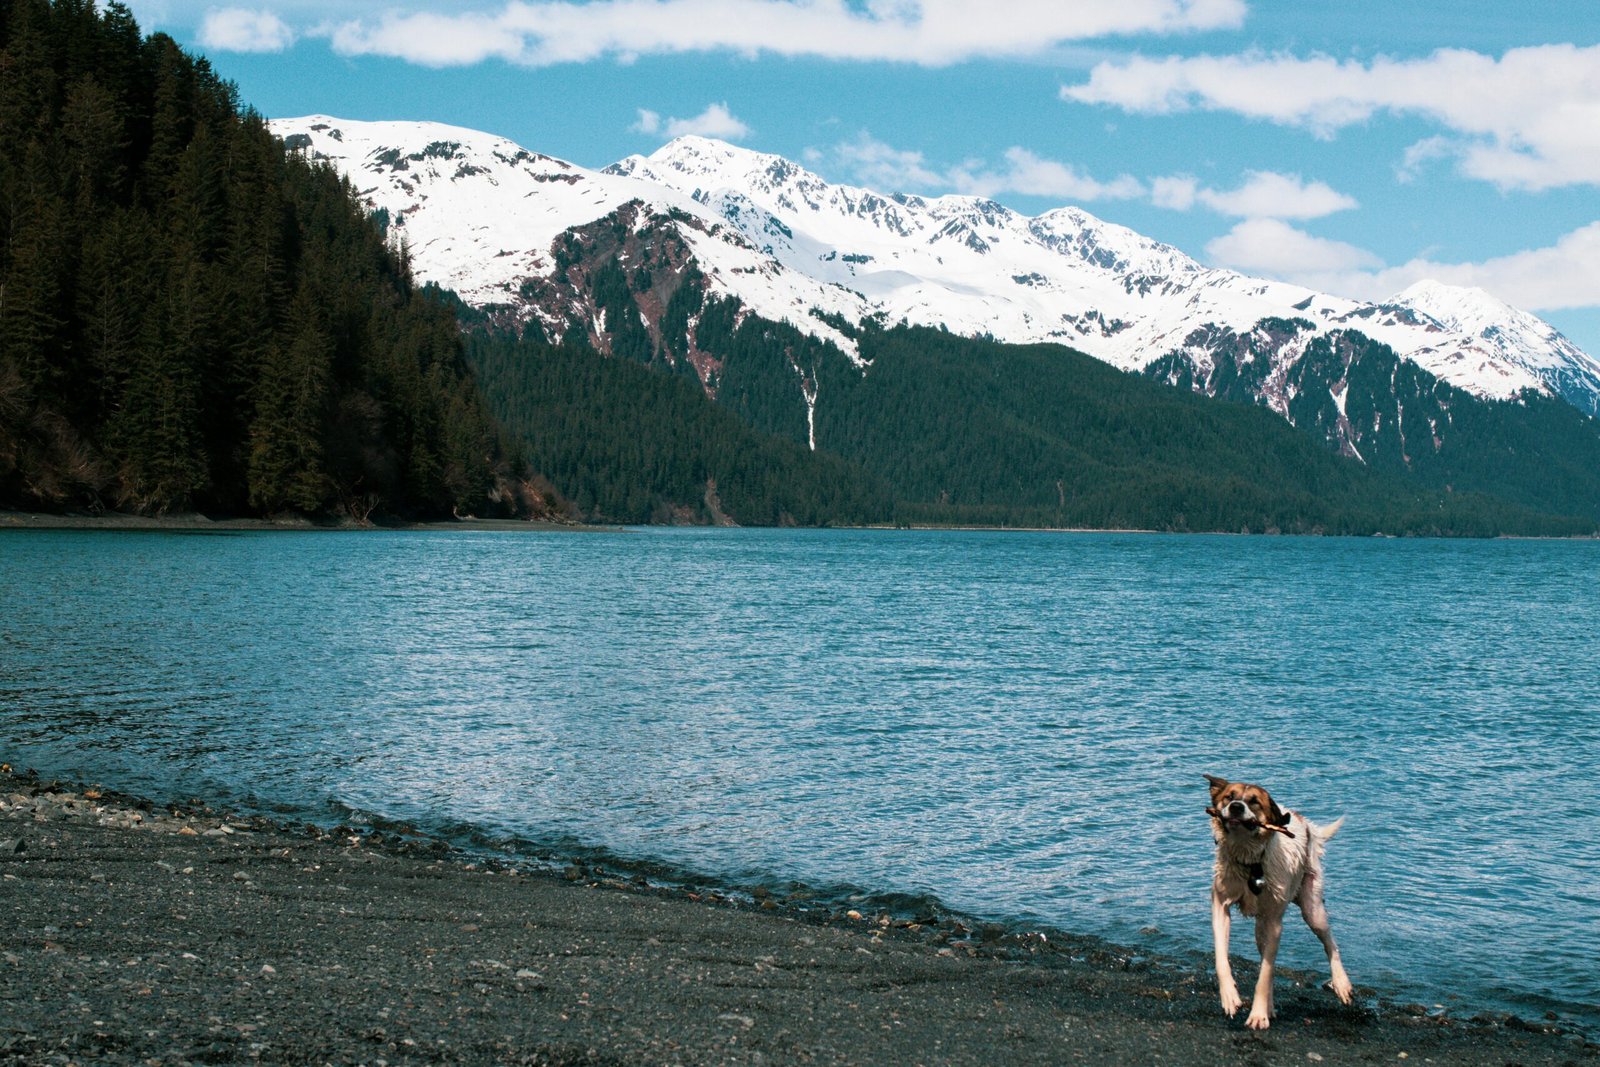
[(1267, 859)]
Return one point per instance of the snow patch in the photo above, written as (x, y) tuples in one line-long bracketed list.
[(785, 242)]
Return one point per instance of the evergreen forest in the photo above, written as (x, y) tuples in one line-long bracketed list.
[(629, 444), (192, 318), (1536, 451), (943, 430)]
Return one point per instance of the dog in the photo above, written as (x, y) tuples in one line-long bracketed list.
[(1267, 858)]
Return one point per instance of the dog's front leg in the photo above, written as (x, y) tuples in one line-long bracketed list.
[(1221, 928), (1269, 927)]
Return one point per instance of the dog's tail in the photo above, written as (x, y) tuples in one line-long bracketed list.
[(1322, 833)]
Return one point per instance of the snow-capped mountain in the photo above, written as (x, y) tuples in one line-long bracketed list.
[(1509, 333), (481, 216), (486, 218)]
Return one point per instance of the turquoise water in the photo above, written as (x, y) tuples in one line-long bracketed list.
[(1014, 723)]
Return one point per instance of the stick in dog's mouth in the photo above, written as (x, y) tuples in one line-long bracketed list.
[(1251, 823)]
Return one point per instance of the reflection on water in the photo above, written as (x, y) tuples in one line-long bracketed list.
[(1016, 723)]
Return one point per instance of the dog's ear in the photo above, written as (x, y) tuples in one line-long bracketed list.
[(1217, 784), (1277, 816)]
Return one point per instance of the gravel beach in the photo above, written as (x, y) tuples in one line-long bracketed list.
[(143, 933)]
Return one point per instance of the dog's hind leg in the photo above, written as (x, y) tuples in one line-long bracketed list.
[(1316, 916), (1269, 928)]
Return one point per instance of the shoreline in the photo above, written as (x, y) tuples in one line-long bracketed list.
[(151, 932), (194, 522), (198, 523)]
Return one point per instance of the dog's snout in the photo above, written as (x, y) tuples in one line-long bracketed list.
[(1238, 807)]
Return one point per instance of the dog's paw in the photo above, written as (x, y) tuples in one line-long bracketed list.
[(1259, 1019), (1340, 984), (1231, 1002)]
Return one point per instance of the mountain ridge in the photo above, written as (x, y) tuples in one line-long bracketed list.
[(792, 246)]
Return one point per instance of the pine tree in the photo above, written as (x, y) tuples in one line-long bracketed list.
[(287, 469), (153, 238), (155, 430)]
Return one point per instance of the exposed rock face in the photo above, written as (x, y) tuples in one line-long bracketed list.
[(526, 234)]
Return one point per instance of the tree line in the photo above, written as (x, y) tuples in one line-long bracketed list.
[(1536, 451), (942, 430), (630, 442), (976, 431), (192, 317)]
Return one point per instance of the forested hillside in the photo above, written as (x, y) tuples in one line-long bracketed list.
[(970, 431), (941, 430), (625, 443), (191, 317), (1042, 435), (1537, 451)]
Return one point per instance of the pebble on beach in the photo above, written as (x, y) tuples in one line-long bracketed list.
[(145, 939)]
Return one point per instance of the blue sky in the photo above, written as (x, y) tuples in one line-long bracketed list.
[(1350, 145)]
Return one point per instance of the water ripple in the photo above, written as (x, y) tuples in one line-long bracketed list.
[(1013, 723)]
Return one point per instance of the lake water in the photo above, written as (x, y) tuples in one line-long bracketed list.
[(1016, 724)]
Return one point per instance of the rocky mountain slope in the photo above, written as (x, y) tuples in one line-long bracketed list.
[(496, 223)]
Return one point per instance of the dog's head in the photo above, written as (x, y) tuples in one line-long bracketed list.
[(1241, 807)]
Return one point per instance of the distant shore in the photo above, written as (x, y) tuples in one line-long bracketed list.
[(146, 933), (193, 521)]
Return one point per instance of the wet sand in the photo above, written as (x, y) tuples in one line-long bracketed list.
[(143, 933)]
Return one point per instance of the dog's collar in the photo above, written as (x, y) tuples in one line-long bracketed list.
[(1255, 876)]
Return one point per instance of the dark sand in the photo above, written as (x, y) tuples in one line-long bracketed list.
[(136, 933)]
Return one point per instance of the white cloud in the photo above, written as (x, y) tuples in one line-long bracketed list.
[(715, 121), (933, 32), (1274, 248), (1029, 175), (1424, 151), (881, 166), (236, 29), (1177, 191), (431, 40), (1266, 194), (1263, 194), (1558, 277), (1527, 120), (649, 122), (1562, 276)]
